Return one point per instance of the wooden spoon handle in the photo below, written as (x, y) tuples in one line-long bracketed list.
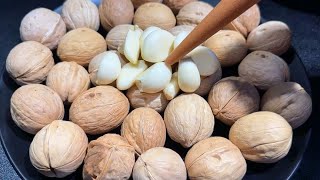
[(219, 17)]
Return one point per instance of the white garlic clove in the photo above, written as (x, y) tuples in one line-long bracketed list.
[(181, 36), (155, 78), (129, 73), (188, 75), (109, 68), (172, 89), (146, 32), (205, 59), (131, 47), (157, 46)]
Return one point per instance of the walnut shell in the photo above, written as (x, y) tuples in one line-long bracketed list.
[(181, 28), (215, 158), (34, 106), (81, 45), (144, 129), (193, 13), (44, 26), (188, 119), (232, 98), (29, 63), (289, 100), (176, 5), (156, 101), (108, 157), (99, 109), (80, 13), (115, 12), (154, 14), (69, 80), (159, 163), (264, 69), (229, 46), (116, 36), (137, 3), (263, 137), (272, 36)]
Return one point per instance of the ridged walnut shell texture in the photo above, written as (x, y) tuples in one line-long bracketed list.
[(263, 137), (289, 100), (137, 3), (193, 13), (29, 63), (215, 158), (58, 149), (144, 129), (154, 14), (232, 98), (34, 106), (99, 109), (80, 13), (69, 80), (188, 119), (81, 45), (264, 69), (159, 163), (176, 5), (117, 35), (181, 28), (44, 26), (108, 157), (115, 12)]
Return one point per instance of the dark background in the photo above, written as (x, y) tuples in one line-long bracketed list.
[(302, 16)]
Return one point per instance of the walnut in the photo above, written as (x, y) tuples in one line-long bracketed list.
[(137, 3), (193, 13), (176, 5), (116, 36)]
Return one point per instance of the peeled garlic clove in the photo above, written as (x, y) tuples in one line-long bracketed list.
[(172, 89), (155, 78), (109, 68), (131, 47), (146, 32), (205, 59), (181, 36), (129, 73), (188, 75), (157, 46)]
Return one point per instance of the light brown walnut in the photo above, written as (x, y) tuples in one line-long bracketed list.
[(193, 13), (176, 5), (137, 3), (116, 36)]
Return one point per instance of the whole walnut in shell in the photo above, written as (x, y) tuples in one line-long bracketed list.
[(229, 46), (181, 28), (193, 13), (58, 149), (188, 119), (176, 5), (99, 109), (34, 106), (159, 163), (289, 100), (156, 101), (263, 137), (154, 14), (144, 129), (69, 80), (215, 158), (29, 63), (264, 69), (232, 98), (115, 12), (81, 45), (108, 157), (116, 36), (137, 3), (44, 26), (80, 13)]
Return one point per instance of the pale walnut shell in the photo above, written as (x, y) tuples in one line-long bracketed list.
[(69, 80), (58, 149), (272, 36), (159, 163), (176, 5), (229, 46), (44, 26), (181, 28), (108, 157), (116, 36), (154, 14), (34, 106), (188, 119), (264, 69), (193, 13), (156, 101), (232, 98), (289, 100), (80, 13), (115, 12), (137, 3), (144, 129), (29, 63), (215, 158), (99, 109), (81, 45), (263, 137)]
